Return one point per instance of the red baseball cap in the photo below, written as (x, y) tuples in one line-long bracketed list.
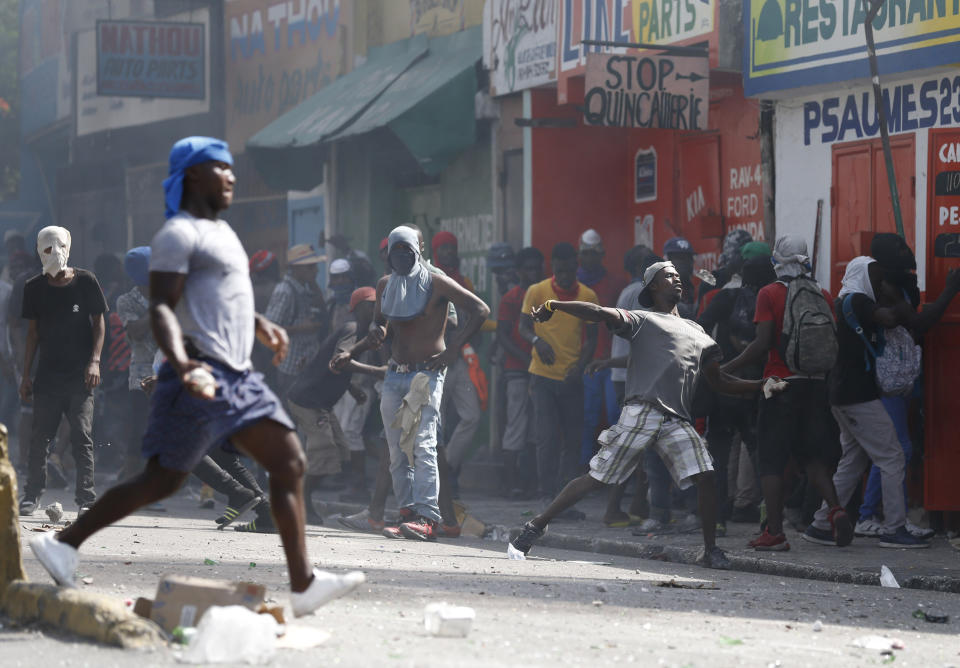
[(364, 294)]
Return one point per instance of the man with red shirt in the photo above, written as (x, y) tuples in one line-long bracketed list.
[(599, 396), (519, 468), (796, 422)]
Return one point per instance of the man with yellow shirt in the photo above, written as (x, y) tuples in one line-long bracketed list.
[(562, 347)]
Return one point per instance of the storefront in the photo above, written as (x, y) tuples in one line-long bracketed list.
[(828, 148)]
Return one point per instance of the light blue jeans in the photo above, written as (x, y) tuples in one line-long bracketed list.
[(416, 485)]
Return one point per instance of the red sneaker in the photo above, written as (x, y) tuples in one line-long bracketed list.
[(770, 543), (420, 529), (448, 531), (406, 515), (392, 532)]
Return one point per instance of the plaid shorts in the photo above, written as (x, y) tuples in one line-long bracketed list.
[(643, 426)]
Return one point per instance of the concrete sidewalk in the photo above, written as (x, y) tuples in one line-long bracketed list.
[(937, 568)]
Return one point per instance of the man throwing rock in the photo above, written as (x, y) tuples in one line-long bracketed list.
[(207, 394), (667, 354), (412, 302)]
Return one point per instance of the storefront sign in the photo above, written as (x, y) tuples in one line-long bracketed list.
[(645, 175), (667, 92), (151, 59), (520, 44), (669, 22), (794, 43), (946, 190), (475, 234), (279, 55), (599, 20), (436, 17), (932, 103)]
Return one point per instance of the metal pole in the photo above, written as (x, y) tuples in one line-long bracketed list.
[(874, 7)]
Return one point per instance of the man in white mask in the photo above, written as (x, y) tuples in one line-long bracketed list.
[(64, 307)]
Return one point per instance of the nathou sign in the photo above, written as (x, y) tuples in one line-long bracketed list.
[(668, 92), (151, 59)]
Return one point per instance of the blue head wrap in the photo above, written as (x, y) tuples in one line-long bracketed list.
[(185, 153), (137, 265)]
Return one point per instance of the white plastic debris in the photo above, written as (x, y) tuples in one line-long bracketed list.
[(878, 643), (817, 626), (448, 621), (887, 579), (55, 512), (514, 553), (233, 634)]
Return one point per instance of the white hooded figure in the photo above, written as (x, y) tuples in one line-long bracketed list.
[(57, 240)]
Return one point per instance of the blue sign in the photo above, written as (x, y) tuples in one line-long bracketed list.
[(151, 59)]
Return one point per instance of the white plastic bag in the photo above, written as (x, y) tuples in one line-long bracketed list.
[(233, 634)]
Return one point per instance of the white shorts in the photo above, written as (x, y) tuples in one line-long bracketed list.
[(643, 426)]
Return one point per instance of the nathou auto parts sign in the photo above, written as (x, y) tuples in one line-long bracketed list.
[(795, 43), (643, 91), (151, 59)]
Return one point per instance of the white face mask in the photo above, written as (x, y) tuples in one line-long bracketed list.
[(57, 239)]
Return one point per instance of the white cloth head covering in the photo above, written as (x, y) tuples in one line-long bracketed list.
[(856, 279), (790, 256), (591, 240), (339, 266), (58, 240), (653, 270), (406, 297)]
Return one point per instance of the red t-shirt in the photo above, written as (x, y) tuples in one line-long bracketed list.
[(511, 306), (608, 290), (771, 304)]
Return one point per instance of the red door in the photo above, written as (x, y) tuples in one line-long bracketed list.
[(699, 206), (860, 198), (941, 348)]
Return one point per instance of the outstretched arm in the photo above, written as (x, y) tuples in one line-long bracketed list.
[(724, 383), (584, 310)]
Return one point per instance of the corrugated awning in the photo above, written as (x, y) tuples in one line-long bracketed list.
[(422, 90)]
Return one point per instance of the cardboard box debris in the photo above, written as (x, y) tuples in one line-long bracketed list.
[(182, 600)]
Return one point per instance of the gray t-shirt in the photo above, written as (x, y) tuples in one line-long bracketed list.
[(666, 355), (216, 310), (620, 347)]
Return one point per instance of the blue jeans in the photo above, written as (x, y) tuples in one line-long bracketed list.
[(415, 485), (599, 399), (897, 410)]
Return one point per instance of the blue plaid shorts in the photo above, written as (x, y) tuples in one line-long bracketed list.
[(182, 428)]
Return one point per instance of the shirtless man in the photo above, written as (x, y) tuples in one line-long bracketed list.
[(668, 354), (207, 394), (413, 302)]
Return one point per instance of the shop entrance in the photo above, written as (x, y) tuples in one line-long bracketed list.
[(860, 198)]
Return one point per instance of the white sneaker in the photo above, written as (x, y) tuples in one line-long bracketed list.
[(868, 528), (649, 525), (688, 524), (919, 532), (58, 558), (324, 588)]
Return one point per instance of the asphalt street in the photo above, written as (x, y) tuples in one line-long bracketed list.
[(559, 608)]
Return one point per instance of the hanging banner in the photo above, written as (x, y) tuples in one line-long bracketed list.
[(790, 44), (519, 44), (151, 59), (637, 91)]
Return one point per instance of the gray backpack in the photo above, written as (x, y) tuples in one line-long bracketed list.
[(808, 342)]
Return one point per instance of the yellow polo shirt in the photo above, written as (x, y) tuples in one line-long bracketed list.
[(563, 332)]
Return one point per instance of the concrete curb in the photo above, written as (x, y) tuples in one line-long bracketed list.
[(93, 616), (679, 555)]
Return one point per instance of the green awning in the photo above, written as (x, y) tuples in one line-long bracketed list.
[(421, 90)]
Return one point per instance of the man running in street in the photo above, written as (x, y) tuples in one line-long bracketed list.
[(667, 354), (207, 394), (413, 302)]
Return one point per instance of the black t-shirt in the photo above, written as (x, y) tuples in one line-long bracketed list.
[(850, 381), (317, 387), (64, 331)]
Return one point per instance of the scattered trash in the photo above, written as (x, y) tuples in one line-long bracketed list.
[(253, 564), (514, 553), (209, 562), (471, 526), (87, 581), (817, 626), (497, 533), (55, 512), (302, 637), (887, 579), (597, 604), (449, 621), (182, 600), (930, 617), (590, 563), (233, 634), (275, 610), (673, 584), (183, 636), (730, 642), (878, 643)]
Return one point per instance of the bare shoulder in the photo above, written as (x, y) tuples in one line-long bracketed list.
[(382, 283)]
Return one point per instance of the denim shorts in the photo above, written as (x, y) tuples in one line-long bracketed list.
[(182, 428)]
